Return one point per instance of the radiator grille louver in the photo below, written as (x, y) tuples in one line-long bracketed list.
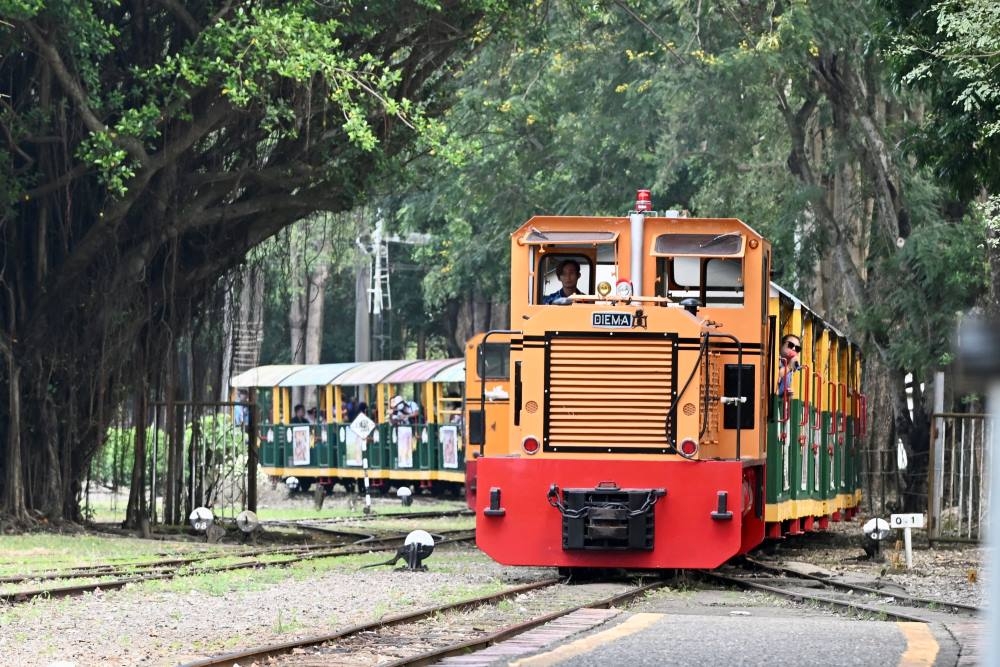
[(608, 393)]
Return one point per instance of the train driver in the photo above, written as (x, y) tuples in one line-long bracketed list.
[(568, 272), (791, 345)]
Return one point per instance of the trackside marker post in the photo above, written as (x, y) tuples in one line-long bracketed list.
[(907, 522), (362, 426)]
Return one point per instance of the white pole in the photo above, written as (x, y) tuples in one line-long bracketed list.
[(364, 465), (937, 493), (908, 543), (376, 290), (992, 631), (637, 226)]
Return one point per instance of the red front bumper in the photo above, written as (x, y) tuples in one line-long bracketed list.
[(689, 531)]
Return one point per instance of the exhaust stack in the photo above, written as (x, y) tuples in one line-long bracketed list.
[(637, 220)]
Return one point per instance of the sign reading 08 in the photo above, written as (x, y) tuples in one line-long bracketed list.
[(612, 320)]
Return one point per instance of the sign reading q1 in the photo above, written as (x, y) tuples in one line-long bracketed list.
[(907, 520)]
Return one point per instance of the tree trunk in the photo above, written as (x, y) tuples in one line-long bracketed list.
[(174, 473), (230, 326), (14, 496), (881, 432), (137, 509), (298, 286), (317, 281)]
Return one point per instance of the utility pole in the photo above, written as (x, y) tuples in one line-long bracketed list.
[(362, 323), (380, 296), (372, 293)]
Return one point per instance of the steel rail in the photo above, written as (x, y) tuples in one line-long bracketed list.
[(126, 568), (434, 656), (114, 584), (369, 517), (261, 653), (911, 600), (800, 596)]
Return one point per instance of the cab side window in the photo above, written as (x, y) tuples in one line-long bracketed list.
[(711, 280), (494, 361)]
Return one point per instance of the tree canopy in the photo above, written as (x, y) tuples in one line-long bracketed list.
[(782, 114), (150, 146)]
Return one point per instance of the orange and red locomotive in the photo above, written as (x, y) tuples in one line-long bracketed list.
[(634, 419)]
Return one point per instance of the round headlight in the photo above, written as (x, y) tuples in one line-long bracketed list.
[(623, 289)]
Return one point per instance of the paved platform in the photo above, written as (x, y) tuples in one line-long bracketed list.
[(679, 628)]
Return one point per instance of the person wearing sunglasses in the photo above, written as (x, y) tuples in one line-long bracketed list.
[(791, 346)]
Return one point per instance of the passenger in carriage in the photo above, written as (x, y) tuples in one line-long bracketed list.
[(399, 411), (568, 272), (414, 412), (299, 415), (791, 346), (241, 412)]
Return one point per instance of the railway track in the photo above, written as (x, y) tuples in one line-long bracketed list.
[(116, 577), (126, 568), (430, 635), (841, 595), (310, 523)]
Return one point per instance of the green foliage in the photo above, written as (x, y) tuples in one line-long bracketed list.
[(114, 168), (112, 466), (950, 51), (150, 145), (697, 101), (218, 434), (20, 9), (938, 273)]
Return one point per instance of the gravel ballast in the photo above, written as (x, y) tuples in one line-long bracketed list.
[(166, 623)]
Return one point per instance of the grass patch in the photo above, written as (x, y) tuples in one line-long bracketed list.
[(105, 508), (28, 554), (458, 593)]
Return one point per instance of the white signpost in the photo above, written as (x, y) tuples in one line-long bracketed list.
[(907, 522), (362, 426)]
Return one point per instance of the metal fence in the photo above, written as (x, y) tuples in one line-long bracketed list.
[(958, 475), (210, 460)]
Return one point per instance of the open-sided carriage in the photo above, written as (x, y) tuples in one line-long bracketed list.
[(423, 452)]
